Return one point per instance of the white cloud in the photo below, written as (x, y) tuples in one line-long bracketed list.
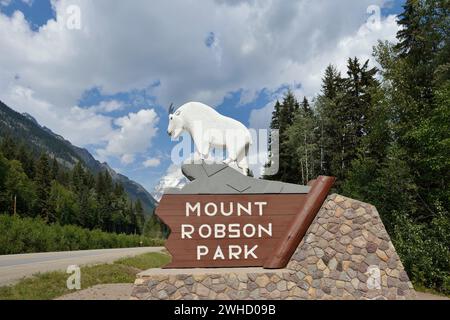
[(107, 106), (127, 158), (262, 44), (310, 73), (152, 162), (84, 126), (80, 126), (255, 45), (134, 136)]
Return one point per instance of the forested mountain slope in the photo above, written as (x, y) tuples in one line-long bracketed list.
[(24, 127)]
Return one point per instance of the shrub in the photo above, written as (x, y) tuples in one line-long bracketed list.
[(424, 250), (26, 235)]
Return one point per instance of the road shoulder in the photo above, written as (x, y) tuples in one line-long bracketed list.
[(116, 291)]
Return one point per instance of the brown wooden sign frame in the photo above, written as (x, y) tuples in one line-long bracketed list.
[(239, 230)]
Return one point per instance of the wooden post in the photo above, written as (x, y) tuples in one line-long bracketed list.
[(291, 239)]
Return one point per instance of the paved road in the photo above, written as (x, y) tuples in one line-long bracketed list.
[(15, 267)]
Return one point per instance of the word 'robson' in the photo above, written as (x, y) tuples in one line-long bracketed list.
[(221, 231)]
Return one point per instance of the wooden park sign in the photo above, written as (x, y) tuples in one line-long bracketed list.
[(225, 219)]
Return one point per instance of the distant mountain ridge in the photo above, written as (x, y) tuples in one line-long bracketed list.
[(39, 138)]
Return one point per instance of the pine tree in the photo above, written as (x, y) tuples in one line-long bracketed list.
[(423, 46), (418, 72), (19, 190), (357, 105), (302, 141), (403, 165), (283, 117), (275, 122), (63, 204), (139, 211), (331, 118), (8, 147), (26, 159), (287, 111), (331, 82), (343, 109), (3, 173), (305, 106), (77, 177), (55, 169), (43, 184)]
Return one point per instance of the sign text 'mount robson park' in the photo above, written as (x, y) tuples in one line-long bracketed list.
[(226, 231), (243, 236), (257, 225)]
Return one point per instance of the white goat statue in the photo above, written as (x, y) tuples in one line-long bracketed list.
[(209, 129)]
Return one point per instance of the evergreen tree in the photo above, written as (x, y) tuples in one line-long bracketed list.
[(43, 184), (331, 82), (287, 111), (19, 189), (275, 122), (418, 41), (307, 111), (63, 204), (415, 73), (132, 219), (343, 110), (302, 138), (154, 228), (3, 173), (283, 117), (78, 178), (329, 103), (55, 169), (8, 147), (26, 159), (44, 188), (139, 211), (357, 104), (403, 164)]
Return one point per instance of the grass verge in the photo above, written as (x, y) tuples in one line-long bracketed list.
[(50, 285), (421, 288)]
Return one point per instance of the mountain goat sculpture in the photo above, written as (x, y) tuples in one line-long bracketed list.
[(209, 129)]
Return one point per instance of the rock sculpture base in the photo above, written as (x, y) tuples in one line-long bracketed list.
[(345, 254)]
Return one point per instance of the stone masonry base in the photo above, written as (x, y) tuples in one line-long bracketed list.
[(345, 254)]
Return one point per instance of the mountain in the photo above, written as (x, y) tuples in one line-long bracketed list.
[(173, 179), (39, 138)]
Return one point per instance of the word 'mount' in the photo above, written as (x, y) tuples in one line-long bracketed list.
[(212, 209)]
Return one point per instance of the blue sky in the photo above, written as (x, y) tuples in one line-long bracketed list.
[(91, 84)]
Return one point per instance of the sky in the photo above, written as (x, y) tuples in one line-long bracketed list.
[(102, 73)]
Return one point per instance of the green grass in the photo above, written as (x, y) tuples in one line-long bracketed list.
[(50, 285), (145, 261)]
